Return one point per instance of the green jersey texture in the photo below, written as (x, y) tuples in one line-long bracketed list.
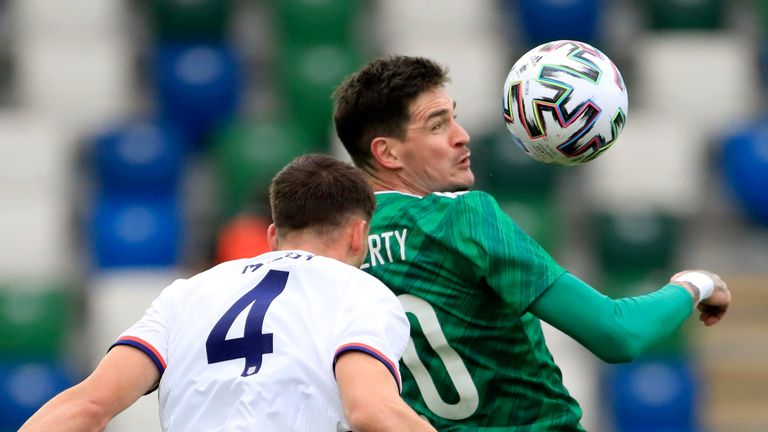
[(466, 274)]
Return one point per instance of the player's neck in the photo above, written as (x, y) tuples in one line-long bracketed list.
[(327, 246), (390, 181)]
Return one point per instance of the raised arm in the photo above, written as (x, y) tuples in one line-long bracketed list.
[(371, 398), (620, 330), (123, 376)]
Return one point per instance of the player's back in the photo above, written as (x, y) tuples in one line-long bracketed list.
[(251, 343), (466, 275)]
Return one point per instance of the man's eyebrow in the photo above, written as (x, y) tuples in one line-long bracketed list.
[(441, 112)]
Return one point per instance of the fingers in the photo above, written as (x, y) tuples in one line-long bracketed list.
[(711, 315)]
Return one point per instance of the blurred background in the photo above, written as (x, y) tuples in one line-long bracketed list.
[(138, 138)]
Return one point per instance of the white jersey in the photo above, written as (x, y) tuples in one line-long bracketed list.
[(251, 344)]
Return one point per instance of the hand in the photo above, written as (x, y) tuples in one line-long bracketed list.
[(716, 305)]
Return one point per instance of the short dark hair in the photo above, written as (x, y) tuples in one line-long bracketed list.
[(318, 192), (374, 101)]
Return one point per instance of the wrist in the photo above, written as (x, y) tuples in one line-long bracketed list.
[(703, 286)]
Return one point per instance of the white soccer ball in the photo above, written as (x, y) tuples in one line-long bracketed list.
[(564, 102)]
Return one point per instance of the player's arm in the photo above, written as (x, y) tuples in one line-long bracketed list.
[(620, 330), (124, 375), (371, 398)]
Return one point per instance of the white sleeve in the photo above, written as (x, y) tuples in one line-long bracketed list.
[(150, 333), (375, 323)]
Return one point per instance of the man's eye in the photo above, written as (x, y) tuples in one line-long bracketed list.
[(436, 126)]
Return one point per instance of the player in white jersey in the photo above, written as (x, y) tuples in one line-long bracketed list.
[(298, 339)]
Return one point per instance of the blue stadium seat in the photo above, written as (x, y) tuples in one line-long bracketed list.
[(548, 20), (25, 386), (130, 233), (652, 395), (198, 85), (745, 165), (140, 158)]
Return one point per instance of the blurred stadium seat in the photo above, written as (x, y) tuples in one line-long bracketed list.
[(25, 385), (638, 242), (126, 232), (656, 164), (537, 217), (311, 22), (401, 25), (762, 11), (247, 156), (79, 85), (184, 20), (745, 165), (504, 170), (140, 158), (41, 19), (72, 67), (686, 14), (549, 20), (36, 185), (702, 80), (117, 298), (652, 395), (64, 76), (35, 319), (306, 76), (198, 85)]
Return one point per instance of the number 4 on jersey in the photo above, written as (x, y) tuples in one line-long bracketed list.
[(254, 344)]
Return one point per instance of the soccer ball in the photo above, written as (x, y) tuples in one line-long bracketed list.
[(564, 102)]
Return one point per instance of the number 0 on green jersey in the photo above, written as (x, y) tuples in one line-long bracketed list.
[(466, 274)]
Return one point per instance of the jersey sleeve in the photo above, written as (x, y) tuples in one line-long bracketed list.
[(616, 330), (150, 333), (373, 322), (512, 263)]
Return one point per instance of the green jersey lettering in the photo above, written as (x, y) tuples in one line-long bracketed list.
[(466, 275)]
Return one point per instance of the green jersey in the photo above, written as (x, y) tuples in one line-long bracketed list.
[(466, 275)]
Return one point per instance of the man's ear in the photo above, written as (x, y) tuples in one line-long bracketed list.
[(358, 245), (386, 152), (272, 237)]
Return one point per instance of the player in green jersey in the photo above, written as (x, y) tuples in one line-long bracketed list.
[(473, 283)]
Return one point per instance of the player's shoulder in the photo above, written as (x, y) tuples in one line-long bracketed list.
[(462, 199), (352, 281), (439, 198), (183, 286), (223, 271), (344, 271)]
